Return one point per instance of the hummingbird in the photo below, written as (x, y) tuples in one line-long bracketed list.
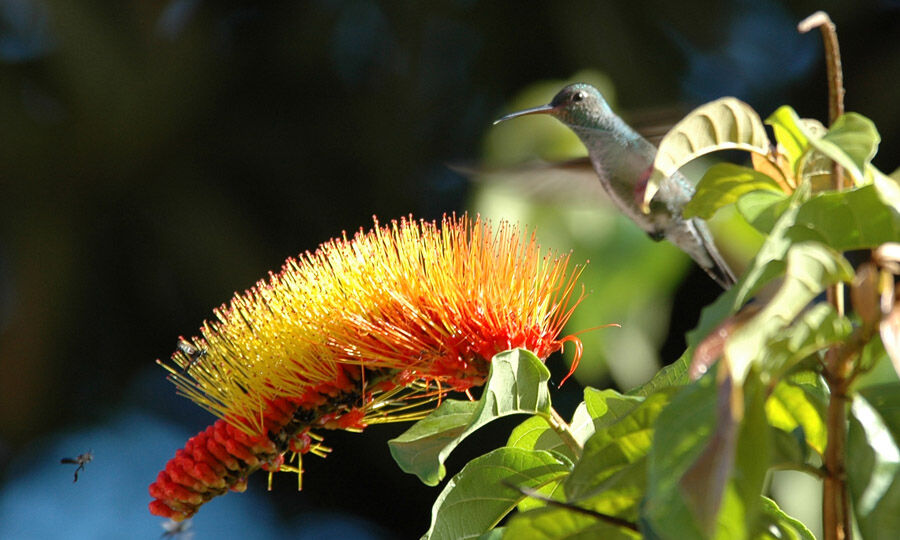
[(623, 160)]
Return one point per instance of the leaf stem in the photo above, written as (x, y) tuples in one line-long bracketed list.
[(612, 520), (564, 430), (838, 360)]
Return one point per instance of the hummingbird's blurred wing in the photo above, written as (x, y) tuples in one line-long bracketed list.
[(567, 182)]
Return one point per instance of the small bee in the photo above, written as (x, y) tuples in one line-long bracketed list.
[(81, 461), (178, 529), (191, 352)]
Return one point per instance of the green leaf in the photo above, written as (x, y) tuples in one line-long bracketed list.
[(762, 209), (769, 261), (781, 526), (789, 133), (752, 453), (815, 329), (493, 534), (562, 524), (619, 443), (811, 268), (517, 383), (790, 409), (872, 472), (607, 406), (675, 374), (847, 220), (885, 398), (722, 184), (683, 430), (724, 124), (887, 186), (479, 496), (621, 499), (852, 142)]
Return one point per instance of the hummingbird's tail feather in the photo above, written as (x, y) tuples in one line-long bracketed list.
[(711, 260)]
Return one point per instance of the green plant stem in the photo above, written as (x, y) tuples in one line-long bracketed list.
[(564, 430), (612, 520), (838, 364)]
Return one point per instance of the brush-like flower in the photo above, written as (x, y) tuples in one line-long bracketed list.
[(362, 331)]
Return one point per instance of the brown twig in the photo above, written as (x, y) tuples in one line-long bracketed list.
[(838, 364)]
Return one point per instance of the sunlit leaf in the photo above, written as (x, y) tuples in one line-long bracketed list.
[(873, 472), (789, 409), (606, 407), (724, 124), (479, 496), (789, 134), (620, 499), (811, 268), (562, 524), (517, 383), (619, 443), (852, 142), (722, 184)]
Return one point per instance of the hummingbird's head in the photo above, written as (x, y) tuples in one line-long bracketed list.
[(578, 104)]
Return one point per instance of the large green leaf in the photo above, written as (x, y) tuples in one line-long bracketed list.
[(724, 124), (616, 445), (872, 471), (811, 268), (846, 220), (683, 430), (708, 462), (752, 455), (517, 383), (722, 184), (770, 260), (852, 142), (479, 496)]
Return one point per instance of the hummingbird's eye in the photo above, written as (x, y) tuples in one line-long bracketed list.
[(577, 96)]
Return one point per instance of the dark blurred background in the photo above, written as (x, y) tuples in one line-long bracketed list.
[(155, 157)]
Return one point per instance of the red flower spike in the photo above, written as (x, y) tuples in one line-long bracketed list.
[(330, 337)]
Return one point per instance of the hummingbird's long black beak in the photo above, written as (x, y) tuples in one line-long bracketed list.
[(543, 109)]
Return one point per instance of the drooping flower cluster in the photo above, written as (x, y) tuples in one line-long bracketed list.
[(362, 331)]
